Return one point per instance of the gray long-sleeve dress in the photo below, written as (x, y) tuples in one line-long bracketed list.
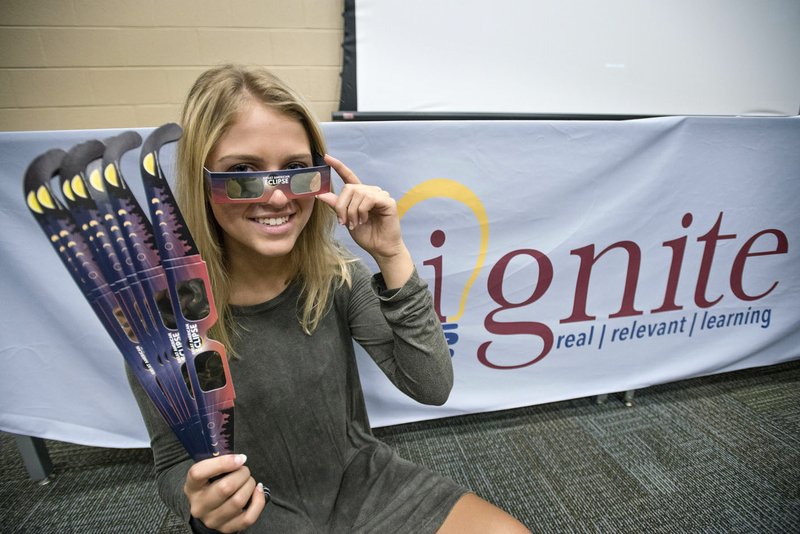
[(301, 418)]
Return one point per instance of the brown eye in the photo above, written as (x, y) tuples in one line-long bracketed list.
[(241, 167)]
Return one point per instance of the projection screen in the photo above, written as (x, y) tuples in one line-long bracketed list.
[(572, 57)]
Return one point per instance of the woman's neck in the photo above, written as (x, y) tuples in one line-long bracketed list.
[(256, 279)]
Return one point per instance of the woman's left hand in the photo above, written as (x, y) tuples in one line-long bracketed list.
[(370, 214)]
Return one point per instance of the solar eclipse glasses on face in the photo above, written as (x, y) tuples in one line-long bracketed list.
[(258, 186)]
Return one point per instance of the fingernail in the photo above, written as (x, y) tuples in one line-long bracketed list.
[(260, 487), (241, 459), (352, 225)]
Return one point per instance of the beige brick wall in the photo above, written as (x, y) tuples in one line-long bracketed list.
[(74, 64)]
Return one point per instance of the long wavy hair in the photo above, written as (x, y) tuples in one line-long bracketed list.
[(319, 262)]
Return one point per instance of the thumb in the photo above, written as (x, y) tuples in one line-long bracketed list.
[(328, 198), (201, 472)]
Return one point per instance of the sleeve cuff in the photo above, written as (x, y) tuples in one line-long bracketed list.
[(412, 285), (198, 527)]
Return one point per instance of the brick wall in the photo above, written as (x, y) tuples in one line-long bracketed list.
[(74, 64)]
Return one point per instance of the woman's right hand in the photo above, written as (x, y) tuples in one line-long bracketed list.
[(223, 504)]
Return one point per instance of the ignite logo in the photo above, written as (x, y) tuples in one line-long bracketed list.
[(764, 243)]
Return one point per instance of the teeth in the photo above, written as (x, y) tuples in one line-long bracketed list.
[(272, 221)]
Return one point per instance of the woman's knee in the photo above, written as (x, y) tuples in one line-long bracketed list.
[(473, 514)]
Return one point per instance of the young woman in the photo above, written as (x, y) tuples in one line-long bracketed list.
[(291, 301)]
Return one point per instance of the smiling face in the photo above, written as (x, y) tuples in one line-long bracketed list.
[(262, 139)]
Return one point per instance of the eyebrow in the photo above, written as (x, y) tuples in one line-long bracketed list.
[(256, 159)]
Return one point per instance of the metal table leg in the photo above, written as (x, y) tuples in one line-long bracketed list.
[(628, 397), (35, 457)]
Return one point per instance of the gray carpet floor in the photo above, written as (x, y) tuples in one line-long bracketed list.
[(714, 454)]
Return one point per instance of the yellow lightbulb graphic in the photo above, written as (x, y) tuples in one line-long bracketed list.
[(453, 190)]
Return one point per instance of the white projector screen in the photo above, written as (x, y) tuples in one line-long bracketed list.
[(567, 57)]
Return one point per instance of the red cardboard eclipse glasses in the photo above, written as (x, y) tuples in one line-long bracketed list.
[(258, 186)]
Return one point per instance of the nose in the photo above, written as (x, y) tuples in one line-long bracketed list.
[(277, 199)]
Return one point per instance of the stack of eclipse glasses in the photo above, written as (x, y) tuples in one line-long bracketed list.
[(143, 277)]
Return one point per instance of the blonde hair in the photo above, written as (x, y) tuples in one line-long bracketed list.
[(210, 109)]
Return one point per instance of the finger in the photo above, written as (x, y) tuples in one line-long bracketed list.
[(342, 205), (365, 207), (258, 501), (239, 499), (200, 473), (372, 199), (225, 487), (347, 176), (338, 207), (329, 198), (248, 518), (225, 499), (357, 199)]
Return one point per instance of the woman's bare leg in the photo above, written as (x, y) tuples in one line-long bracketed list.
[(473, 514)]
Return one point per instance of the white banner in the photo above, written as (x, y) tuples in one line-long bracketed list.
[(571, 259), (567, 259)]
